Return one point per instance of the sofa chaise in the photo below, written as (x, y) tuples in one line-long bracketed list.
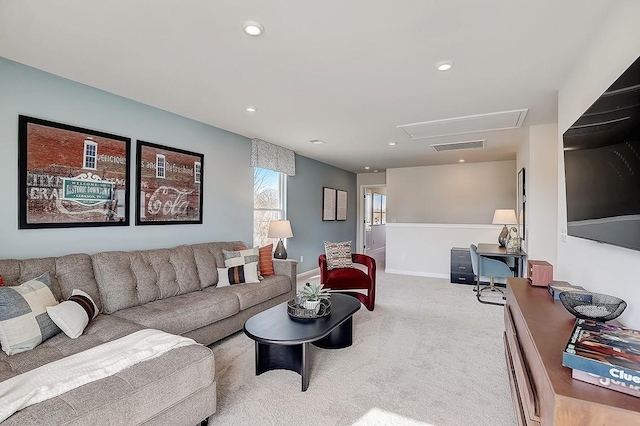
[(173, 290)]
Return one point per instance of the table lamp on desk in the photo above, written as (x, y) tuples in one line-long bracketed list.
[(504, 217)]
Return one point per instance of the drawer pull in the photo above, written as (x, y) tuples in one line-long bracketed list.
[(462, 267), (462, 278)]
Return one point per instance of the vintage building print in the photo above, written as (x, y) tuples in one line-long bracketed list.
[(169, 185), (71, 176)]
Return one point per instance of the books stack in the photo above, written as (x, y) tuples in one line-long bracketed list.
[(605, 355), (557, 287)]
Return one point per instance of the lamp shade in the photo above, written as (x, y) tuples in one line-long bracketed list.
[(280, 229), (504, 217)]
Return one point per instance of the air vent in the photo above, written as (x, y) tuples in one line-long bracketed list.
[(470, 124), (458, 145)]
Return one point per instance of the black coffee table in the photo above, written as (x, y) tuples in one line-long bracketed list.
[(282, 342)]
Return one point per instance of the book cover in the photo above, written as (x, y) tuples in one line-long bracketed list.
[(557, 287), (607, 350), (605, 382)]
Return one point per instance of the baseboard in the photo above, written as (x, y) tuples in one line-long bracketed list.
[(308, 274), (415, 273)]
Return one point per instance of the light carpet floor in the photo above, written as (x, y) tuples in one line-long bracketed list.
[(428, 354)]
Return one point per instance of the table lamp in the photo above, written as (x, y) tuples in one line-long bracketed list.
[(504, 217), (280, 229)]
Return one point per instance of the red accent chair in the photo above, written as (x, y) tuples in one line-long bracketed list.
[(352, 278)]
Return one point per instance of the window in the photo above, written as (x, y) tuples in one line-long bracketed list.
[(379, 212), (90, 154), (160, 166), (268, 203), (197, 167)]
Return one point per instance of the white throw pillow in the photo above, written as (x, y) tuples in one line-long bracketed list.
[(73, 315), (338, 255)]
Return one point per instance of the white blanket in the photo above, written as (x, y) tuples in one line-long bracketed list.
[(61, 376)]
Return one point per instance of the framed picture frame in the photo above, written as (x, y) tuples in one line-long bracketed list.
[(328, 204), (169, 185), (341, 204), (71, 176), (521, 203)]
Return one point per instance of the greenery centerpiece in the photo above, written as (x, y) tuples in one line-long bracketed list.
[(312, 294)]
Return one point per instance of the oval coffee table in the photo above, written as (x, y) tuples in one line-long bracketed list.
[(282, 342)]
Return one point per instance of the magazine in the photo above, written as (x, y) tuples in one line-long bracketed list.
[(606, 382), (607, 350)]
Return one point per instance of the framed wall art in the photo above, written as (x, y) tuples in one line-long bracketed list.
[(328, 203), (168, 185), (70, 176), (341, 204)]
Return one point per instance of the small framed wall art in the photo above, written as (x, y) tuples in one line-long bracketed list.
[(169, 185), (70, 176), (341, 205), (328, 203)]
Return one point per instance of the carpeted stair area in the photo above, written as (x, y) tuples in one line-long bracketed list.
[(429, 354)]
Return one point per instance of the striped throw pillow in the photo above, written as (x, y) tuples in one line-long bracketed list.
[(338, 255), (74, 314), (265, 262)]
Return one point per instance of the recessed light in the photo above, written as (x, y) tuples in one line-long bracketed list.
[(461, 161), (444, 65), (392, 143), (367, 167), (316, 142), (375, 171), (251, 109), (252, 28)]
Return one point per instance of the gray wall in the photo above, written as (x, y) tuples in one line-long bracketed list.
[(459, 193), (304, 210), (227, 202)]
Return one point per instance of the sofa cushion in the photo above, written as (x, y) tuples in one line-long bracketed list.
[(184, 313), (208, 257), (131, 396), (134, 278), (254, 293), (24, 322)]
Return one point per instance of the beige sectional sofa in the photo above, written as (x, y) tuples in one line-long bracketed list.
[(173, 290)]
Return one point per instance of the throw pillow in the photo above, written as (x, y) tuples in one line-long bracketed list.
[(338, 255), (1, 281), (24, 322), (265, 260), (74, 314), (237, 275), (247, 258)]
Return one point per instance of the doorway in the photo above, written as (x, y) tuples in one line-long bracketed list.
[(374, 208)]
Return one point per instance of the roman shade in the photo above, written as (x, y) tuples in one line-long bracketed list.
[(273, 157)]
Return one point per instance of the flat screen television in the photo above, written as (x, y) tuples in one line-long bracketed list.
[(602, 166)]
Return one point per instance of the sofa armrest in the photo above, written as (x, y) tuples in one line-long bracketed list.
[(288, 267)]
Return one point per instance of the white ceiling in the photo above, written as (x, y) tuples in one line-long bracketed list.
[(347, 72)]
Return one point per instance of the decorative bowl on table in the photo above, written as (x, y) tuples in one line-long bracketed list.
[(592, 306), (296, 309)]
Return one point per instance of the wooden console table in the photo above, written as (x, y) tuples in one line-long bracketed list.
[(536, 331)]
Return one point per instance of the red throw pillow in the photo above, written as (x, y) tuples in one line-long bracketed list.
[(265, 262)]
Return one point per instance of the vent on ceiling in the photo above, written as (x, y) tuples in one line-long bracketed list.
[(439, 147), (470, 124)]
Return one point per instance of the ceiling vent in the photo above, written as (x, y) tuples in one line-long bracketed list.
[(452, 146), (470, 124)]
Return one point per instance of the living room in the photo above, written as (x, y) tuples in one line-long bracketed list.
[(228, 198)]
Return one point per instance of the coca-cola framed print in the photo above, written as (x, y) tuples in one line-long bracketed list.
[(168, 186), (70, 176)]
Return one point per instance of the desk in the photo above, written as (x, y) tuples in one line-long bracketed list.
[(496, 251)]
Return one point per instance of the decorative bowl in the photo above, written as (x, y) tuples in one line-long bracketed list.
[(592, 306)]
